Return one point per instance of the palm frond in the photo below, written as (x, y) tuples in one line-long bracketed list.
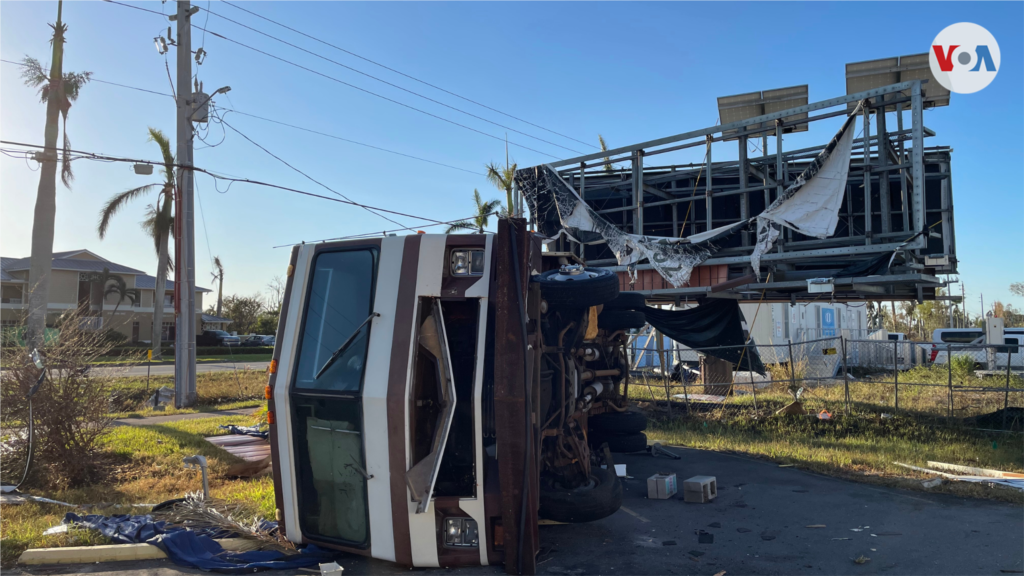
[(117, 202), (461, 225), (66, 175), (73, 83), (490, 207), (34, 76), (165, 151), (607, 159), (496, 176)]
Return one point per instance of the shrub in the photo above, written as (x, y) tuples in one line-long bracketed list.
[(69, 410), (962, 367), (113, 337)]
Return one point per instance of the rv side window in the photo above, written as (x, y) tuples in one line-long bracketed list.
[(961, 337), (340, 299)]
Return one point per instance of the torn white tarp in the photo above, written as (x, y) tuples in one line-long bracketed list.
[(673, 258), (810, 205)]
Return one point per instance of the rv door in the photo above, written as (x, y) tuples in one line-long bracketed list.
[(433, 343)]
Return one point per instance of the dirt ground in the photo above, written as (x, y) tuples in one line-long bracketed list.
[(759, 524)]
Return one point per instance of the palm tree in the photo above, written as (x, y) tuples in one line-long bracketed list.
[(158, 224), (607, 159), (503, 179), (64, 88), (35, 76), (113, 285), (218, 277), (484, 210)]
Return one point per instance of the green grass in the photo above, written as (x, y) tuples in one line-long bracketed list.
[(227, 358), (145, 467), (222, 390)]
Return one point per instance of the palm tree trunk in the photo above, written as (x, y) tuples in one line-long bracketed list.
[(158, 294), (46, 202), (220, 292)]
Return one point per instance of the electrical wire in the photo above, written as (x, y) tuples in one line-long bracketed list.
[(350, 141), (425, 83), (82, 155), (94, 79), (161, 14), (393, 85), (384, 232), (308, 177), (381, 96)]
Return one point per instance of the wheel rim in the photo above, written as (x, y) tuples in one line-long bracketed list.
[(573, 272)]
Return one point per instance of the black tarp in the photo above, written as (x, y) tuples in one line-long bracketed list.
[(712, 324)]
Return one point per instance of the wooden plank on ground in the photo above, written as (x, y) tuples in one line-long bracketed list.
[(111, 552)]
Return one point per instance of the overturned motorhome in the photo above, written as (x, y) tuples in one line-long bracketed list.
[(891, 243)]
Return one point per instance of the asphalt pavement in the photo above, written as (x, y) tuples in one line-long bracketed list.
[(766, 520), (168, 369)]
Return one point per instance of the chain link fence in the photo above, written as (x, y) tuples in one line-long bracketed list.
[(976, 385)]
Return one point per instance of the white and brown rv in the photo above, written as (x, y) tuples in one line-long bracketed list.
[(432, 396)]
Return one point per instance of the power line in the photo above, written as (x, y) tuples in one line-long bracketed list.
[(137, 8), (370, 92), (372, 234), (271, 120), (308, 177), (82, 155), (425, 83), (393, 85), (348, 140)]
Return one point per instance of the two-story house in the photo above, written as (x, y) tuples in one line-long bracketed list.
[(73, 285)]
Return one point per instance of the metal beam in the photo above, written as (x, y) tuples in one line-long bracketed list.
[(742, 124)]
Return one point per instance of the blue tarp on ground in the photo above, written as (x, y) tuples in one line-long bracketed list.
[(195, 549)]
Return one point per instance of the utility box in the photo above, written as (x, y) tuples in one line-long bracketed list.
[(661, 486), (993, 336)]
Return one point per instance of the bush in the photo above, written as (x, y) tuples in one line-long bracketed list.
[(69, 410), (113, 337), (962, 366)]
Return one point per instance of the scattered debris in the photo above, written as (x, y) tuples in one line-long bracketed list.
[(18, 498), (932, 483), (161, 397), (1011, 482), (661, 486), (668, 542), (970, 470), (743, 530), (696, 553), (620, 470), (58, 529), (331, 569), (824, 415), (786, 465), (722, 573), (715, 525), (769, 534), (700, 489), (704, 537), (816, 526), (888, 534), (656, 449), (862, 559), (842, 538), (885, 416)]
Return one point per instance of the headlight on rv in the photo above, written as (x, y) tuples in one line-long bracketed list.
[(467, 262)]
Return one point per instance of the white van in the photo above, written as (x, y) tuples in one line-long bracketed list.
[(1012, 351)]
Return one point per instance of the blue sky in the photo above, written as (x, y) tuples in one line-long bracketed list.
[(631, 72)]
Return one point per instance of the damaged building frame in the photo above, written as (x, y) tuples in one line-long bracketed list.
[(900, 232)]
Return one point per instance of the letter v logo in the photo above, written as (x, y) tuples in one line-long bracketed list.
[(945, 60)]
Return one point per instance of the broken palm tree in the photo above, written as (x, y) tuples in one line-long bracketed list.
[(197, 513)]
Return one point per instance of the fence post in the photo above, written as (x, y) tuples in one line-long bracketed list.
[(846, 375), (949, 377), (792, 366), (1006, 397), (753, 387), (664, 370), (896, 371)]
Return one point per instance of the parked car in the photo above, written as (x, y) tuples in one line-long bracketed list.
[(258, 340), (1012, 337), (216, 338)]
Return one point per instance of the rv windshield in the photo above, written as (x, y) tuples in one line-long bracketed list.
[(340, 299)]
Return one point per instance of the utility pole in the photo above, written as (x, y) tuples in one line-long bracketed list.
[(46, 197), (185, 269), (963, 306)]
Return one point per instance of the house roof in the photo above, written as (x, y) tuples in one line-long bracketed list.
[(73, 264), (147, 282), (67, 261), (4, 276), (210, 318)]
